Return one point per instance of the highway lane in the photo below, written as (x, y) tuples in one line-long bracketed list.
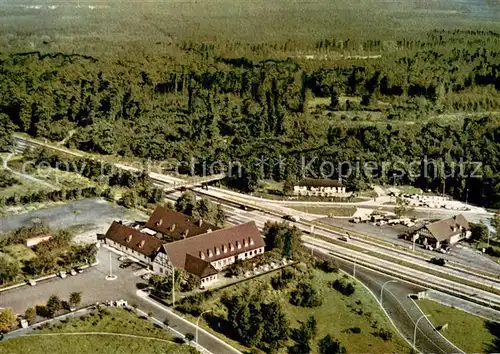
[(486, 297), (399, 307)]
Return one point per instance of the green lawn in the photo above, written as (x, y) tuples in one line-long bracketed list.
[(330, 211), (19, 252), (84, 344), (108, 321), (466, 331), (335, 316)]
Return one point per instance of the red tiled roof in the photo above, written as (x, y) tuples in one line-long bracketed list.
[(216, 245), (199, 267), (175, 224), (134, 239), (321, 182)]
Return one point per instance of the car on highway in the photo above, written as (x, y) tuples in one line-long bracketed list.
[(243, 207), (291, 218)]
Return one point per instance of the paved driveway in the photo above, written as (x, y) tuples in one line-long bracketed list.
[(94, 287)]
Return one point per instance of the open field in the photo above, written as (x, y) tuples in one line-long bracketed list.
[(88, 344), (113, 321), (470, 333), (89, 24), (336, 316)]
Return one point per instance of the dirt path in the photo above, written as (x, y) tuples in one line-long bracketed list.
[(24, 175)]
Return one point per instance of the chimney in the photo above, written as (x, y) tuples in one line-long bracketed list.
[(209, 230), (141, 244), (129, 238), (172, 227), (200, 222)]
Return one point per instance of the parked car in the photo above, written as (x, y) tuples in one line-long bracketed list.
[(63, 274), (73, 272), (125, 265), (146, 276), (31, 282), (79, 270)]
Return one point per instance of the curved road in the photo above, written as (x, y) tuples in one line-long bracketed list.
[(400, 308)]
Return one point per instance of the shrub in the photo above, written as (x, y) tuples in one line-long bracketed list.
[(305, 295), (326, 266), (344, 287), (385, 334)]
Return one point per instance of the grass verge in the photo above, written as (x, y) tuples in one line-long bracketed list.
[(340, 316), (470, 333), (329, 211), (108, 321)]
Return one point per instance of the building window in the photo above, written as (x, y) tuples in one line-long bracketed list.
[(161, 270)]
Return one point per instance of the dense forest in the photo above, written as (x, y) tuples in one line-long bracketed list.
[(285, 101)]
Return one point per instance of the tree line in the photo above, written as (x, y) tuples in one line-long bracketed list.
[(210, 107)]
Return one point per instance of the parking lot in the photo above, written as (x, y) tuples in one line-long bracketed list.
[(92, 283)]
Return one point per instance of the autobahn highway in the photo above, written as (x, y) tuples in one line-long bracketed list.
[(475, 287), (401, 310)]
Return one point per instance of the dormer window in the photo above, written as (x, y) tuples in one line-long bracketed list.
[(217, 251), (141, 244), (231, 247), (238, 244), (245, 243), (159, 222), (129, 238), (202, 255), (250, 240), (224, 248), (210, 253), (200, 222), (172, 227)]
